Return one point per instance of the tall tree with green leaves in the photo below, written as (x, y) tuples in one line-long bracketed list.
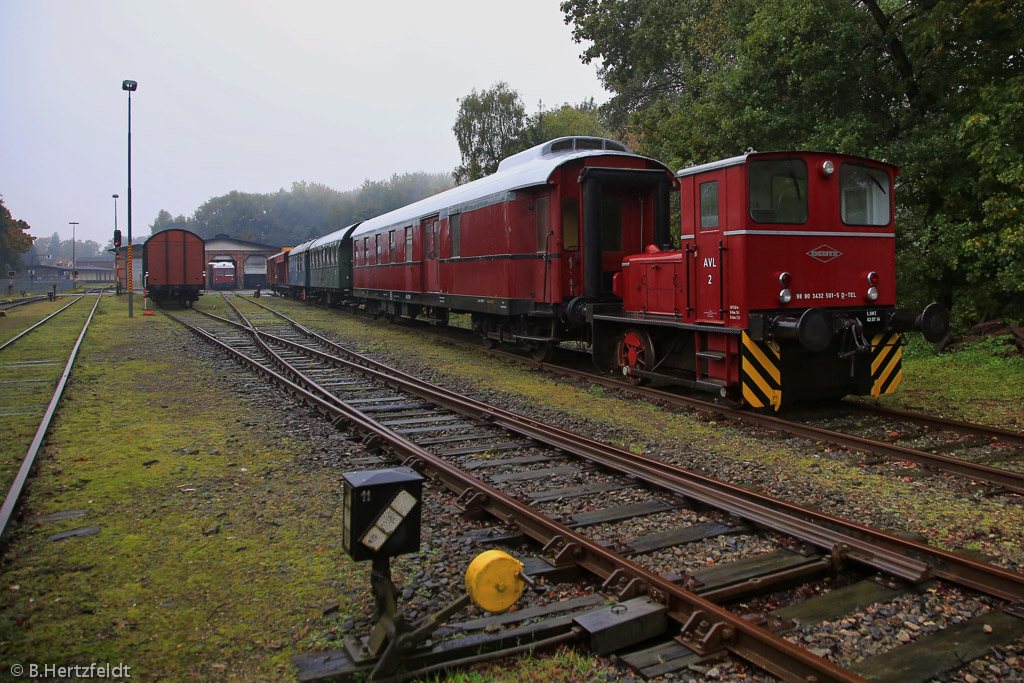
[(934, 87), (14, 239), (490, 126)]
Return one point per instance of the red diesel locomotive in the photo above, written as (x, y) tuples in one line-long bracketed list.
[(781, 289)]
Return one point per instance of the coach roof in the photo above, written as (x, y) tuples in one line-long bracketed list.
[(528, 168)]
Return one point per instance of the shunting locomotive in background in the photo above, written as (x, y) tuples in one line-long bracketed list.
[(781, 290)]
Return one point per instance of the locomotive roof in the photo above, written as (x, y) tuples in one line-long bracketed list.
[(529, 168), (742, 159)]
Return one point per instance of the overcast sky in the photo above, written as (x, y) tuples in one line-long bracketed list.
[(250, 95)]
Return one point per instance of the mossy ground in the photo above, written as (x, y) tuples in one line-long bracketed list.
[(217, 555), (214, 556)]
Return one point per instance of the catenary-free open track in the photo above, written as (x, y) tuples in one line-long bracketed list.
[(444, 435), (988, 456), (37, 363)]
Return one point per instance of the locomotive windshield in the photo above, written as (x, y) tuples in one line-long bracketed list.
[(778, 191), (863, 195)]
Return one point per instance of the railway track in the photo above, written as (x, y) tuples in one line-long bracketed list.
[(635, 530), (983, 455), (36, 365)]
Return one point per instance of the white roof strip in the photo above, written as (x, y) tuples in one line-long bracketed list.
[(529, 168)]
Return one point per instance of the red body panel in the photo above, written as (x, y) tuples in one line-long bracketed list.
[(174, 257), (502, 253), (724, 272)]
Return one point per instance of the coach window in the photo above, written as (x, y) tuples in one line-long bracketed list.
[(611, 223), (541, 207), (437, 239), (376, 242), (455, 228), (778, 191), (709, 205), (391, 246), (408, 244), (570, 224), (863, 195)]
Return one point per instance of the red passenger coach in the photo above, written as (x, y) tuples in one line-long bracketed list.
[(174, 265), (526, 250), (783, 288)]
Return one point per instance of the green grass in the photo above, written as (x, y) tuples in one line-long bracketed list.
[(977, 381), (215, 557), (217, 554)]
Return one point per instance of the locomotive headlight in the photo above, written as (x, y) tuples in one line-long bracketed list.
[(827, 168), (872, 293), (785, 296)]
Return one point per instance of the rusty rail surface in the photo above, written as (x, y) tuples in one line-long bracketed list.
[(705, 627)]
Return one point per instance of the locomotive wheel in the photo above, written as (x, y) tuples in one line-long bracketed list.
[(636, 352), (489, 343), (543, 352)]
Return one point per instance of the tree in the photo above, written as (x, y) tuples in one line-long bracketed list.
[(290, 217), (53, 248), (14, 239), (490, 126), (581, 119), (934, 87)]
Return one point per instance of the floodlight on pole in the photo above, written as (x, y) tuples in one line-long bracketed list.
[(130, 87)]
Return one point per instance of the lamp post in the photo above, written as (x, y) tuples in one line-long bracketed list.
[(130, 87), (117, 249), (74, 270)]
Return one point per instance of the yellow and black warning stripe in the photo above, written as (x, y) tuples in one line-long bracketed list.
[(760, 375), (886, 363)]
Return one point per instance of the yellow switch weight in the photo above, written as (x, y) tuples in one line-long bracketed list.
[(494, 580)]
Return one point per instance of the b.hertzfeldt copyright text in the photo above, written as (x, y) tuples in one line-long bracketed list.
[(94, 670)]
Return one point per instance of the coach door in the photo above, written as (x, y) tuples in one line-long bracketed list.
[(430, 238), (708, 287)]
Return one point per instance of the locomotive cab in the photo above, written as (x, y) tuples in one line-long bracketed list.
[(783, 288)]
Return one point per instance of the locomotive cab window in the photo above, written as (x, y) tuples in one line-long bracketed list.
[(778, 191), (864, 195), (709, 205)]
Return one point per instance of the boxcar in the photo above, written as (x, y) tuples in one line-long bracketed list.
[(173, 262), (277, 272)]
